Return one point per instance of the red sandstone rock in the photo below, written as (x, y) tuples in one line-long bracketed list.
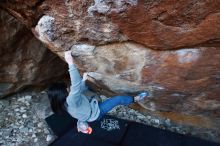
[(172, 24), (163, 25), (187, 78), (183, 77), (23, 59)]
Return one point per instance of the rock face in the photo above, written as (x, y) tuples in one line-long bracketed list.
[(172, 24), (170, 48), (181, 82), (187, 78), (157, 24), (23, 59)]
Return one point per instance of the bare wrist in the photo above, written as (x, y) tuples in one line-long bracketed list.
[(70, 63)]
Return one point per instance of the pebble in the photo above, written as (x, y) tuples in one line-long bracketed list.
[(3, 104), (10, 114), (167, 122), (36, 139), (28, 97), (24, 130), (17, 114), (22, 108), (27, 104), (157, 121), (33, 135), (46, 131), (21, 99), (39, 130), (140, 117), (17, 109), (22, 126), (40, 124), (49, 138), (19, 139), (24, 116)]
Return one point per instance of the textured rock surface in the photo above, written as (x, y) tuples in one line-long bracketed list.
[(22, 120), (172, 24), (23, 59), (183, 82), (157, 24), (118, 41)]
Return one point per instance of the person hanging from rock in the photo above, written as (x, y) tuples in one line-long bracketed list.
[(77, 104)]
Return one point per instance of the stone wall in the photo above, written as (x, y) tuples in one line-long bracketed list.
[(24, 60)]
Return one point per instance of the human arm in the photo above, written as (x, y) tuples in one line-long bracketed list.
[(77, 86), (74, 75)]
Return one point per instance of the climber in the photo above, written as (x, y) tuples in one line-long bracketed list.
[(77, 104)]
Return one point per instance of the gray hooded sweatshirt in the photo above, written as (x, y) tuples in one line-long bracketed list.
[(78, 105)]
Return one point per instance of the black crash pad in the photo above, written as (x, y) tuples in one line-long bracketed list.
[(73, 138), (109, 129), (142, 135), (194, 141), (113, 131), (60, 124)]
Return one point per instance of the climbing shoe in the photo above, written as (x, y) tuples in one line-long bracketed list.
[(141, 96)]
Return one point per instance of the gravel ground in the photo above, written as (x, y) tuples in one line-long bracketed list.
[(22, 120)]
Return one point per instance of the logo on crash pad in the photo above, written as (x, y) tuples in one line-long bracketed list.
[(110, 124)]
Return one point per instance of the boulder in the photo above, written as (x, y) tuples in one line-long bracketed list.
[(170, 48), (24, 60), (184, 81), (163, 25)]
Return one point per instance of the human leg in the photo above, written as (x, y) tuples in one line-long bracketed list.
[(110, 103)]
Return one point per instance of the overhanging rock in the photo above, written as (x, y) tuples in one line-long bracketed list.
[(170, 48)]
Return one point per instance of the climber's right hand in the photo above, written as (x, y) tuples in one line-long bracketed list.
[(68, 57)]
